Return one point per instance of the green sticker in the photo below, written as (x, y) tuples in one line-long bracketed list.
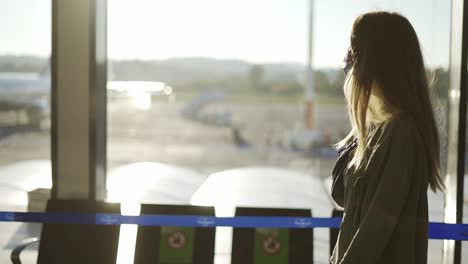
[(176, 245), (271, 246)]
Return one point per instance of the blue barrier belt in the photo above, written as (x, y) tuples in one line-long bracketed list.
[(436, 230)]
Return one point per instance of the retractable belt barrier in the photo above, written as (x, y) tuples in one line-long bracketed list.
[(436, 230)]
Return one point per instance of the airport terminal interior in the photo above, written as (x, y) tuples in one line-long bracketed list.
[(199, 107)]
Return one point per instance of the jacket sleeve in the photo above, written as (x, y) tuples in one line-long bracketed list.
[(392, 184)]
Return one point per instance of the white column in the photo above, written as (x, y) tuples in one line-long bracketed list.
[(78, 99)]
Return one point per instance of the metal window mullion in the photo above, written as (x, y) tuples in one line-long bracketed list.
[(453, 211)]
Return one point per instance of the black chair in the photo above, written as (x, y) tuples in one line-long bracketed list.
[(334, 231), (175, 245), (76, 243), (266, 245)]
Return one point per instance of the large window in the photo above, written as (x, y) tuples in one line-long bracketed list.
[(208, 86), (208, 103), (25, 30)]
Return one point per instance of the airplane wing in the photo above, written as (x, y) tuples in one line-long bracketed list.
[(269, 187)]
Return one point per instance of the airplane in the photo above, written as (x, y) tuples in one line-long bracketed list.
[(26, 92), (311, 142), (264, 187), (140, 93), (30, 93)]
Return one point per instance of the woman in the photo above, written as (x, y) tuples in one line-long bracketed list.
[(391, 157)]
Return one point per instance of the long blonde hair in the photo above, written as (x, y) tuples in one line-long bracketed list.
[(387, 76)]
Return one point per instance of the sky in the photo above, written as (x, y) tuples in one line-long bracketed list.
[(260, 31)]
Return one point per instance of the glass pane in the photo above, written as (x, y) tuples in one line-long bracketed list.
[(214, 89), (25, 171)]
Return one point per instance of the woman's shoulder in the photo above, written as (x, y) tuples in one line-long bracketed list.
[(396, 142), (401, 124), (400, 132)]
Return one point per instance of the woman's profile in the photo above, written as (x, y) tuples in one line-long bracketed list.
[(391, 157)]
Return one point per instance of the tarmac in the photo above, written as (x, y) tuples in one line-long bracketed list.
[(160, 134)]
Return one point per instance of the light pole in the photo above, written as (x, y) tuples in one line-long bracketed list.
[(309, 92)]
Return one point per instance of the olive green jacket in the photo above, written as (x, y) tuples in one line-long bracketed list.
[(385, 204)]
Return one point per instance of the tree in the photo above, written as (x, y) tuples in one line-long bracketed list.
[(322, 84), (256, 76), (441, 82)]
